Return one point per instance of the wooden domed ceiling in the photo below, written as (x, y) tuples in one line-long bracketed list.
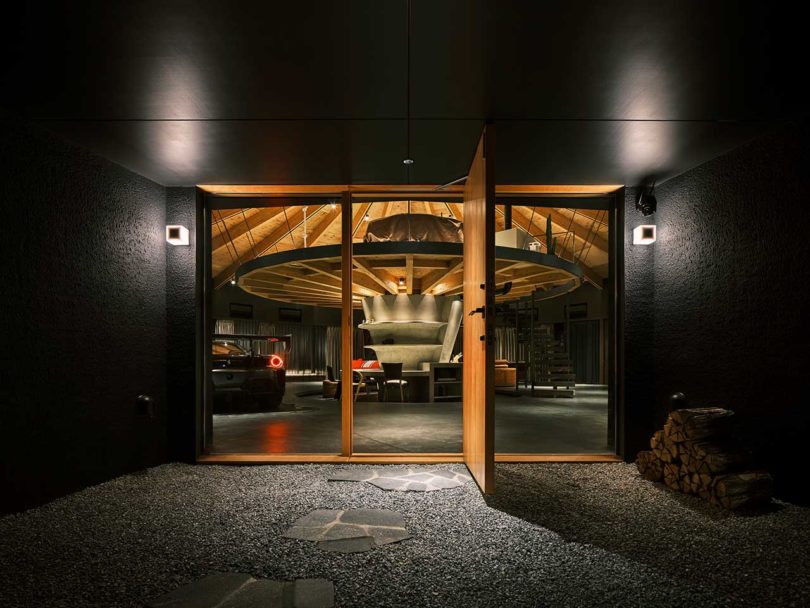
[(241, 235)]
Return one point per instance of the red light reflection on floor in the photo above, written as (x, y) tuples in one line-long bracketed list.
[(277, 437)]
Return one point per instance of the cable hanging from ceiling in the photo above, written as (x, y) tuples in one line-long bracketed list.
[(408, 162)]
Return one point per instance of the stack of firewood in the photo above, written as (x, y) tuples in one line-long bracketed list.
[(696, 453)]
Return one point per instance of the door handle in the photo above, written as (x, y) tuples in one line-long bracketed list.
[(482, 310)]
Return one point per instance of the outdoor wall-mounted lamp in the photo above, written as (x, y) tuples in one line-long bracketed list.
[(177, 235), (644, 235)]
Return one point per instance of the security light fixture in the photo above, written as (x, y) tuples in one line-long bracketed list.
[(644, 235), (177, 235), (407, 161), (233, 281)]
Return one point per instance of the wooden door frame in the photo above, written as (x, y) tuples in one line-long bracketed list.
[(238, 196)]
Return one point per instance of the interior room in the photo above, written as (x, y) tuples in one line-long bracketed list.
[(551, 342), (441, 303)]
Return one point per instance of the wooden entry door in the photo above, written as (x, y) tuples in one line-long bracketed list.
[(479, 315)]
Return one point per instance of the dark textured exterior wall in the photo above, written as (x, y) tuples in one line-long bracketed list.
[(83, 318), (182, 297), (716, 307), (641, 411)]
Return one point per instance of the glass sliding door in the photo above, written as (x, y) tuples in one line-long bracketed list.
[(407, 314), (275, 314), (552, 338)]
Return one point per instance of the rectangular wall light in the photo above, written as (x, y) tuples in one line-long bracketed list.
[(177, 235), (644, 235)]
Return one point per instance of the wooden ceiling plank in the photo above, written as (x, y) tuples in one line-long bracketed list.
[(564, 224), (358, 216), (361, 281), (386, 280), (314, 278), (591, 275), (323, 225), (241, 228), (583, 232), (456, 210), (295, 219), (437, 276)]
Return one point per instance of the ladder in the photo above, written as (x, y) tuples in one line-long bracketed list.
[(550, 367), (552, 372)]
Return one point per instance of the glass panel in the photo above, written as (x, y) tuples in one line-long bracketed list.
[(407, 319), (551, 369), (276, 329)]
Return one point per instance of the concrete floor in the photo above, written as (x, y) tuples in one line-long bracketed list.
[(523, 424)]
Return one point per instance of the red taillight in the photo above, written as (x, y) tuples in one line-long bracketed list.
[(275, 361)]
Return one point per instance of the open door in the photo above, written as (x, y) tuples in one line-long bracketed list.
[(479, 319)]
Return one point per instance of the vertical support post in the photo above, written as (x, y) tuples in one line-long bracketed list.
[(507, 216), (204, 410), (531, 344), (346, 326), (517, 335)]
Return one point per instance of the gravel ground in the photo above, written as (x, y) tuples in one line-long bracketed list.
[(554, 535)]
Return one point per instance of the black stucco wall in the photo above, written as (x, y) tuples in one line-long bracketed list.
[(716, 307), (182, 296), (83, 318)]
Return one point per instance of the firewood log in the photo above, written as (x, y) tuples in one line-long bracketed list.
[(708, 457), (669, 450), (702, 423), (674, 431), (672, 476), (736, 490), (685, 454), (649, 466), (655, 443), (694, 453), (685, 479)]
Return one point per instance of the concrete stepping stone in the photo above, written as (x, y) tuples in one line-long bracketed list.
[(404, 480), (350, 531), (234, 590)]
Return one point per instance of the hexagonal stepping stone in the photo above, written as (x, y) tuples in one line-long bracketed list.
[(358, 474), (349, 545), (405, 480), (234, 590), (208, 591), (350, 531)]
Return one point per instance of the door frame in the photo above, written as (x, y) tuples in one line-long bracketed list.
[(210, 197)]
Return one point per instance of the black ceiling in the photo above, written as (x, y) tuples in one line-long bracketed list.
[(316, 92)]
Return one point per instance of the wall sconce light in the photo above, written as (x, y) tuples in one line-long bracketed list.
[(644, 235), (402, 281), (177, 235)]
